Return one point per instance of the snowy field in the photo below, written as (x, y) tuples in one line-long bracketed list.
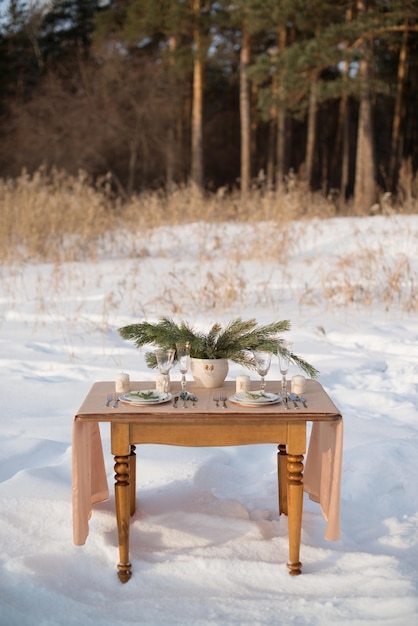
[(207, 544)]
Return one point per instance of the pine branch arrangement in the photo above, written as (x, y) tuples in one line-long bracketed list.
[(234, 342)]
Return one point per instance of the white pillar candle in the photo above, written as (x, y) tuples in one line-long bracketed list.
[(122, 383), (243, 383), (298, 384)]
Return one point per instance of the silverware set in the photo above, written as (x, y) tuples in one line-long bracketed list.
[(185, 396), (109, 398), (222, 399), (303, 400), (112, 397), (294, 398)]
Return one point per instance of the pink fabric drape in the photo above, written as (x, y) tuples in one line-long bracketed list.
[(322, 477), (89, 476)]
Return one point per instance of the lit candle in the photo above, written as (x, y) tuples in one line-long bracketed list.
[(298, 384), (122, 383)]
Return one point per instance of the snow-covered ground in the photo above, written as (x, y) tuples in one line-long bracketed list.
[(207, 544)]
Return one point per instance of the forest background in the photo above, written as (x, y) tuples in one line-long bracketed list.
[(250, 96)]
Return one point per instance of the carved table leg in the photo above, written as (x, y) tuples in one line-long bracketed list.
[(122, 501), (295, 506), (282, 478), (132, 479)]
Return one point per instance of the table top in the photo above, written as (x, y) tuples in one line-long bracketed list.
[(319, 406)]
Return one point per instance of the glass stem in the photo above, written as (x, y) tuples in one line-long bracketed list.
[(284, 385)]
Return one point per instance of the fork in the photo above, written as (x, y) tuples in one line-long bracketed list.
[(223, 400), (303, 400), (109, 399), (217, 402), (116, 402)]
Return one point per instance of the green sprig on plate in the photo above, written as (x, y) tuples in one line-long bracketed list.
[(256, 395), (145, 395)]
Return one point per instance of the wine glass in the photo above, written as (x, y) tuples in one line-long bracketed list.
[(284, 351), (262, 365), (165, 358), (183, 358)]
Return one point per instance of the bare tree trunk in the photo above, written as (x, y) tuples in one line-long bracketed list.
[(311, 132), (183, 124), (245, 111), (253, 126), (281, 148), (271, 148), (402, 70), (342, 144), (197, 106), (277, 140), (341, 148), (280, 122), (364, 181), (170, 159), (345, 152)]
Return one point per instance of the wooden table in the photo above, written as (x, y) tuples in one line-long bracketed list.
[(208, 425)]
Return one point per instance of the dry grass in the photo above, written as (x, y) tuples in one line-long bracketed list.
[(52, 218), (59, 219), (368, 277), (55, 217)]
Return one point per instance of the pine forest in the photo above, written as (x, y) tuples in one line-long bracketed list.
[(227, 96)]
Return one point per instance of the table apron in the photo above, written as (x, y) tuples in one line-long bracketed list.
[(123, 435)]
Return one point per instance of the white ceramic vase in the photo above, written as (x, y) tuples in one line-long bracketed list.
[(209, 373)]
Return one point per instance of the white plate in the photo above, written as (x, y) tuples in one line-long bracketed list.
[(255, 398), (145, 396)]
